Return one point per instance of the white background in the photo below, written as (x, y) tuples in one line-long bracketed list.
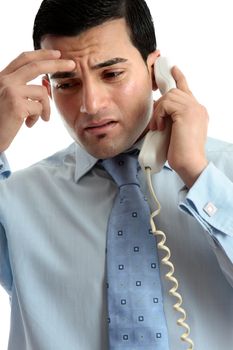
[(195, 34)]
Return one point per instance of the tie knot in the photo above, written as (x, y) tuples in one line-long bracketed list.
[(123, 168)]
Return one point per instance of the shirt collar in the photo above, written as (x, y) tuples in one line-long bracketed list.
[(85, 161)]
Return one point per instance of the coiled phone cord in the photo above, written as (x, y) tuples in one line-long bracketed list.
[(166, 261)]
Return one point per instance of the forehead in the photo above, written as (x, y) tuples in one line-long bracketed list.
[(108, 39)]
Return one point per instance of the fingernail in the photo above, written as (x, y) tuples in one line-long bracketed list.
[(56, 53), (71, 63)]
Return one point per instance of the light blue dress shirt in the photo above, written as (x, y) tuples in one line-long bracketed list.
[(53, 219)]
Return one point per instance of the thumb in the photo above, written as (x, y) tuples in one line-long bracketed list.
[(181, 81)]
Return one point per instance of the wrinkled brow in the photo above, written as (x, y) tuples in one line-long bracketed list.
[(111, 62)]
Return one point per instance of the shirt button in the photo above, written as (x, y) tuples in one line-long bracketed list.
[(210, 209)]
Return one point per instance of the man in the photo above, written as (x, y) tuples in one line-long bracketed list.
[(98, 64)]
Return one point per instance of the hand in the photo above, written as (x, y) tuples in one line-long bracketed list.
[(21, 102), (186, 154)]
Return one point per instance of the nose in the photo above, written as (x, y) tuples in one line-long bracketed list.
[(94, 97)]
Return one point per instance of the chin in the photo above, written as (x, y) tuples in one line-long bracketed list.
[(104, 153), (106, 146), (107, 149)]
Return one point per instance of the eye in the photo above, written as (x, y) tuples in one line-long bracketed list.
[(113, 75), (67, 85)]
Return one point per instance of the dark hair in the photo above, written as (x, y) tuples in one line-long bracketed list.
[(71, 17)]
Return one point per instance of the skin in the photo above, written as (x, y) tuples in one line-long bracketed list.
[(98, 104), (20, 102), (106, 104)]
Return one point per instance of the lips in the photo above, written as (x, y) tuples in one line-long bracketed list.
[(100, 127)]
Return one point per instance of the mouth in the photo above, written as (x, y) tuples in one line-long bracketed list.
[(101, 127)]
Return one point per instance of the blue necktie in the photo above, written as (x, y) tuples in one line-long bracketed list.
[(135, 306)]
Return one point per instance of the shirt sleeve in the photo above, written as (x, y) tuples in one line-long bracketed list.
[(210, 201), (5, 269), (4, 167)]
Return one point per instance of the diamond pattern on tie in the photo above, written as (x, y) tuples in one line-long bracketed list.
[(136, 317)]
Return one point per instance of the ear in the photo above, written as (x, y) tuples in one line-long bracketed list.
[(46, 83), (152, 57)]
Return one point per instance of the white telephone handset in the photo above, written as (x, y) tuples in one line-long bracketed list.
[(155, 146), (151, 158)]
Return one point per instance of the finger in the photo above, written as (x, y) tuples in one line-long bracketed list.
[(163, 110), (38, 94), (158, 124), (31, 121), (153, 124), (181, 81), (34, 69), (32, 109), (27, 57), (178, 96), (166, 103)]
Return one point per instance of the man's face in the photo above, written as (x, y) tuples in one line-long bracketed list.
[(106, 102)]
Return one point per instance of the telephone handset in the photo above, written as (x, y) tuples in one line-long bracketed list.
[(152, 157), (155, 146)]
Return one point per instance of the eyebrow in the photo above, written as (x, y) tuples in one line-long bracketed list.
[(111, 62)]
